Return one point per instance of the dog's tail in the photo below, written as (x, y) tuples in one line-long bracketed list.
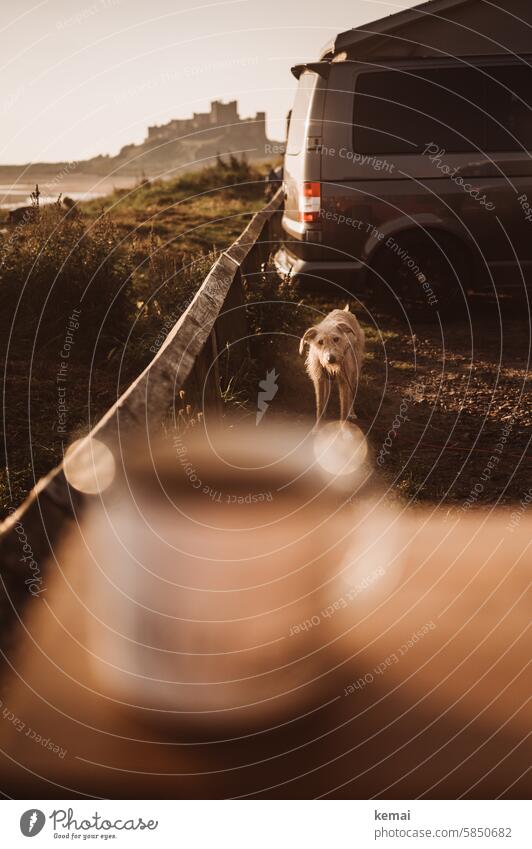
[(346, 308)]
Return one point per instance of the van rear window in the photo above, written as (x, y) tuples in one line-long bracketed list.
[(402, 111), (463, 110), (300, 110), (509, 108)]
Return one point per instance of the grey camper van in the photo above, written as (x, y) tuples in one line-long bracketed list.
[(410, 167)]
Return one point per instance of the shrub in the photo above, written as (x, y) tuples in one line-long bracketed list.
[(273, 304), (234, 177), (56, 263)]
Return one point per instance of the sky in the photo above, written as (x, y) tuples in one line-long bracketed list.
[(83, 77)]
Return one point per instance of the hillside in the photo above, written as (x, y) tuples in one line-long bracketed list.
[(169, 149)]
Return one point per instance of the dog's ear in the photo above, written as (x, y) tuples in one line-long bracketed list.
[(345, 327), (307, 338)]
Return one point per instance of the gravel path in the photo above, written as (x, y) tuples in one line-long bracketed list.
[(445, 405)]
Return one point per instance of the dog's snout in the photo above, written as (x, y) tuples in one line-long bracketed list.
[(331, 359)]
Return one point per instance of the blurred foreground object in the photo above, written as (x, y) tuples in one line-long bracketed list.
[(219, 547), (229, 620)]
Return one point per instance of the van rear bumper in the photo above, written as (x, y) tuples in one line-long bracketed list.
[(288, 264)]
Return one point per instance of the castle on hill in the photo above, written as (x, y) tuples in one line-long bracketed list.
[(187, 141), (181, 143), (223, 118)]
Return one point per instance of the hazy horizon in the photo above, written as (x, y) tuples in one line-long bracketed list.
[(86, 77)]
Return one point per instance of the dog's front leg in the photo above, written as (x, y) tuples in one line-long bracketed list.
[(322, 388), (346, 400)]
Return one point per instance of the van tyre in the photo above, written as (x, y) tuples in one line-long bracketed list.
[(421, 275)]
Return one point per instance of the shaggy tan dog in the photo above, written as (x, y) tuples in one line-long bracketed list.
[(336, 350)]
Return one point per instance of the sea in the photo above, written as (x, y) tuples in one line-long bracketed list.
[(16, 192)]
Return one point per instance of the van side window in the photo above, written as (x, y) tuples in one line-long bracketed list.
[(300, 110), (509, 106), (401, 111)]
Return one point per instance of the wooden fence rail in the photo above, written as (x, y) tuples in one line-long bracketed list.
[(188, 358)]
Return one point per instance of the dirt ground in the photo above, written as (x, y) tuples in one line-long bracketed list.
[(445, 404)]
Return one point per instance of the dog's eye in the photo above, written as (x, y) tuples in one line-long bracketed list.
[(320, 341), (335, 338)]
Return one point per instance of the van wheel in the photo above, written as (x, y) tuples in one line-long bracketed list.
[(421, 274)]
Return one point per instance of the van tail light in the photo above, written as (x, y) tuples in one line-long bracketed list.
[(309, 202)]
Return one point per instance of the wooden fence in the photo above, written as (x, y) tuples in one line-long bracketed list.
[(215, 318)]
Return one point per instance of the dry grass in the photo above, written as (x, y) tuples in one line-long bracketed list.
[(130, 263)]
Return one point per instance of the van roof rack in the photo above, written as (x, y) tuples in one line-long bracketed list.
[(346, 41)]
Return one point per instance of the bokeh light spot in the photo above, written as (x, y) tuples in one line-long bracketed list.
[(340, 448), (89, 466)]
